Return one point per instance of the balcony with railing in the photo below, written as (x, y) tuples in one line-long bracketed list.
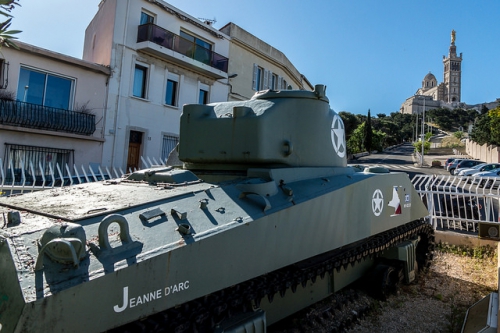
[(16, 113), (154, 39)]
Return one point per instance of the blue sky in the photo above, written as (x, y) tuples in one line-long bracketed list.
[(371, 54)]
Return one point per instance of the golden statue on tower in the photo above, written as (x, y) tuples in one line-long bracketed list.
[(453, 35)]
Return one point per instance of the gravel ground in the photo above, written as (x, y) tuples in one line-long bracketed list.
[(437, 302)]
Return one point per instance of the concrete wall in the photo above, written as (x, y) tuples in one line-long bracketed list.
[(487, 153)]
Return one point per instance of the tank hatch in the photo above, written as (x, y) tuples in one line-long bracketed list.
[(79, 202)]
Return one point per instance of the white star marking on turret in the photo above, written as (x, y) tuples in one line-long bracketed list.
[(377, 202), (338, 136)]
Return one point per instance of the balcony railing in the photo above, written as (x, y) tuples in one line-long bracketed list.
[(16, 113), (155, 34)]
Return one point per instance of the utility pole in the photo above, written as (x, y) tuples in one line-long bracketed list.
[(423, 134)]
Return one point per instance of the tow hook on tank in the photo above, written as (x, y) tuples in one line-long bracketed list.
[(128, 248)]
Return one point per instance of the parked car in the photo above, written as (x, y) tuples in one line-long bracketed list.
[(459, 207), (479, 168), (466, 164), (448, 162), (453, 165), (487, 179)]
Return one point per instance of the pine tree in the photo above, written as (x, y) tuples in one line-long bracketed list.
[(368, 134)]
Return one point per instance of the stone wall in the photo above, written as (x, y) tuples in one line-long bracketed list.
[(487, 153)]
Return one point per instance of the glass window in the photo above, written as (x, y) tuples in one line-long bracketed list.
[(146, 18), (171, 94), (41, 88), (140, 76), (203, 97), (57, 92), (274, 82), (259, 78), (196, 40), (199, 50)]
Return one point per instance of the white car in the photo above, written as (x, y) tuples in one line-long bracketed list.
[(487, 179), (478, 168)]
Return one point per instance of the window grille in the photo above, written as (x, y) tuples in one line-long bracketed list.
[(169, 143), (21, 156)]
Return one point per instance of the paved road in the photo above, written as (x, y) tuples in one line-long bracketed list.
[(400, 159)]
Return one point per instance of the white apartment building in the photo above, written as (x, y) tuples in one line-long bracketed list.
[(160, 58), (51, 110), (255, 65)]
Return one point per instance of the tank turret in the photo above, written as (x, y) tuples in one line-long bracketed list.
[(289, 128)]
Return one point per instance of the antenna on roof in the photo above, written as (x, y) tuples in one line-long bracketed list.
[(207, 21)]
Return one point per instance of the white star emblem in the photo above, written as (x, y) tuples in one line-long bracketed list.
[(377, 202), (338, 136)]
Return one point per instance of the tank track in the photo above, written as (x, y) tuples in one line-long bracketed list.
[(205, 313), (335, 314)]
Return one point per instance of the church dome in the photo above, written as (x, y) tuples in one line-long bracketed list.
[(429, 81), (429, 77)]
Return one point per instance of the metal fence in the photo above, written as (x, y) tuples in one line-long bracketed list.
[(153, 33), (459, 203), (30, 176), (28, 115)]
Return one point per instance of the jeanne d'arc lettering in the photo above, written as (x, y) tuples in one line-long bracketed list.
[(131, 302)]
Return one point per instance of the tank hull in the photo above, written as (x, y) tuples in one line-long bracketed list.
[(184, 268)]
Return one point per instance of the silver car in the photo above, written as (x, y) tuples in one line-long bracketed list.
[(487, 179), (478, 168)]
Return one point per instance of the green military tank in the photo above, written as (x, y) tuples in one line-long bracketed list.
[(263, 219)]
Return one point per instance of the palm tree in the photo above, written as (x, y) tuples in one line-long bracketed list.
[(6, 35)]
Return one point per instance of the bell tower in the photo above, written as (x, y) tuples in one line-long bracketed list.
[(452, 73)]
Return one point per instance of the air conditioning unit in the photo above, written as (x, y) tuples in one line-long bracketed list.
[(489, 230)]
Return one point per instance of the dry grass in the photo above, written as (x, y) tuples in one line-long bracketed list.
[(451, 141)]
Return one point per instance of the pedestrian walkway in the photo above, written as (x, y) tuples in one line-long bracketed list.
[(392, 166)]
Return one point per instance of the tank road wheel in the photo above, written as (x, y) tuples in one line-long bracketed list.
[(425, 248), (383, 280)]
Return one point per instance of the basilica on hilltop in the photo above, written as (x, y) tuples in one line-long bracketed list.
[(446, 94)]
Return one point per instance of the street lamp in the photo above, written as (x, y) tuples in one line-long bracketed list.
[(416, 129)]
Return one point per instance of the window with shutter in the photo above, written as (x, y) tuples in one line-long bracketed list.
[(265, 84), (254, 79)]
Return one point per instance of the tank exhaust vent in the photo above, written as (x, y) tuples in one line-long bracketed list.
[(241, 111), (320, 91)]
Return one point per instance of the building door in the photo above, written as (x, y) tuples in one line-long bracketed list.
[(134, 150)]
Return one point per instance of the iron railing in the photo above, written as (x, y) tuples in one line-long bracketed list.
[(29, 176), (16, 113), (459, 203), (153, 33)]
